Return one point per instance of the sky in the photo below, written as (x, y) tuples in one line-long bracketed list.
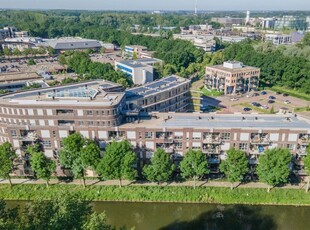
[(158, 4)]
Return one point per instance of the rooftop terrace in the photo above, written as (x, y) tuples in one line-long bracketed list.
[(95, 92)]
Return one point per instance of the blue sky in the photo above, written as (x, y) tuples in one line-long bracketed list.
[(158, 4)]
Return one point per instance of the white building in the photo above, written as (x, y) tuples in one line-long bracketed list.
[(140, 72)]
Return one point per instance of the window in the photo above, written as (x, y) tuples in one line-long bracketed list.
[(243, 146), (98, 123), (148, 135), (54, 133), (103, 123), (108, 112), (90, 123), (225, 136), (89, 112), (97, 112), (81, 122), (47, 143), (103, 112), (13, 133), (178, 145)]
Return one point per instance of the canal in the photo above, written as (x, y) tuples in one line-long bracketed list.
[(175, 216)]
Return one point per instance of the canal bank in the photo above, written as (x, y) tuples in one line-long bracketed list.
[(171, 194), (179, 216)]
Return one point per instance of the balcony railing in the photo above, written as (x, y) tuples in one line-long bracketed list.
[(214, 161), (210, 140), (260, 140)]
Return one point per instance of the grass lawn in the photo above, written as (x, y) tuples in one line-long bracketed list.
[(302, 109), (212, 93), (254, 108), (160, 194), (291, 92)]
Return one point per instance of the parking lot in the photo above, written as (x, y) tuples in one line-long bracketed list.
[(107, 57), (16, 65), (258, 103)]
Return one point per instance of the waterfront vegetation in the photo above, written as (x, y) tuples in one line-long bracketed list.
[(156, 193), (62, 211)]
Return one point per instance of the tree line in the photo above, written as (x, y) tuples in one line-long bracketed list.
[(119, 162), (277, 68)]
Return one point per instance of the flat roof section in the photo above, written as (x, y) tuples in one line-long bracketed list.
[(92, 93), (154, 87), (222, 121), (232, 70), (131, 63)]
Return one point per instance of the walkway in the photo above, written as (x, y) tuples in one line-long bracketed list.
[(141, 183)]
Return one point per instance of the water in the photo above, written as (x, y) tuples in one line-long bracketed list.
[(175, 216)]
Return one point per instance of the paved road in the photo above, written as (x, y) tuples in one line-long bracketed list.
[(136, 183)]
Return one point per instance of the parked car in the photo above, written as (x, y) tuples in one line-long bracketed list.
[(234, 99), (255, 94), (256, 104), (264, 107), (249, 95), (263, 93), (287, 102), (285, 94), (270, 101), (246, 109), (271, 98), (278, 93)]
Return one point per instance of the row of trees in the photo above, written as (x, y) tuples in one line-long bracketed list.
[(28, 52), (62, 212), (119, 162)]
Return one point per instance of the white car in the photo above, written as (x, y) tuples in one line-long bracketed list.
[(264, 107), (234, 99), (287, 102)]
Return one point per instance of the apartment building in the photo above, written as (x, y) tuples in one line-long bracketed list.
[(166, 94), (47, 115), (93, 111), (139, 71), (232, 77), (140, 51), (290, 23)]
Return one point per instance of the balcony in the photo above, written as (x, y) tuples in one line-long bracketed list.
[(260, 139), (65, 122), (64, 112), (212, 140), (169, 150), (304, 139), (28, 135), (257, 150), (211, 150), (214, 161)]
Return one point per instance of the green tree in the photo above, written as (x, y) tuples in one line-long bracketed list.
[(7, 52), (118, 162), (235, 166), (16, 52), (134, 56), (307, 167), (42, 166), (169, 69), (194, 165), (161, 167), (97, 222), (50, 51), (31, 62), (273, 167), (78, 154), (7, 156)]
